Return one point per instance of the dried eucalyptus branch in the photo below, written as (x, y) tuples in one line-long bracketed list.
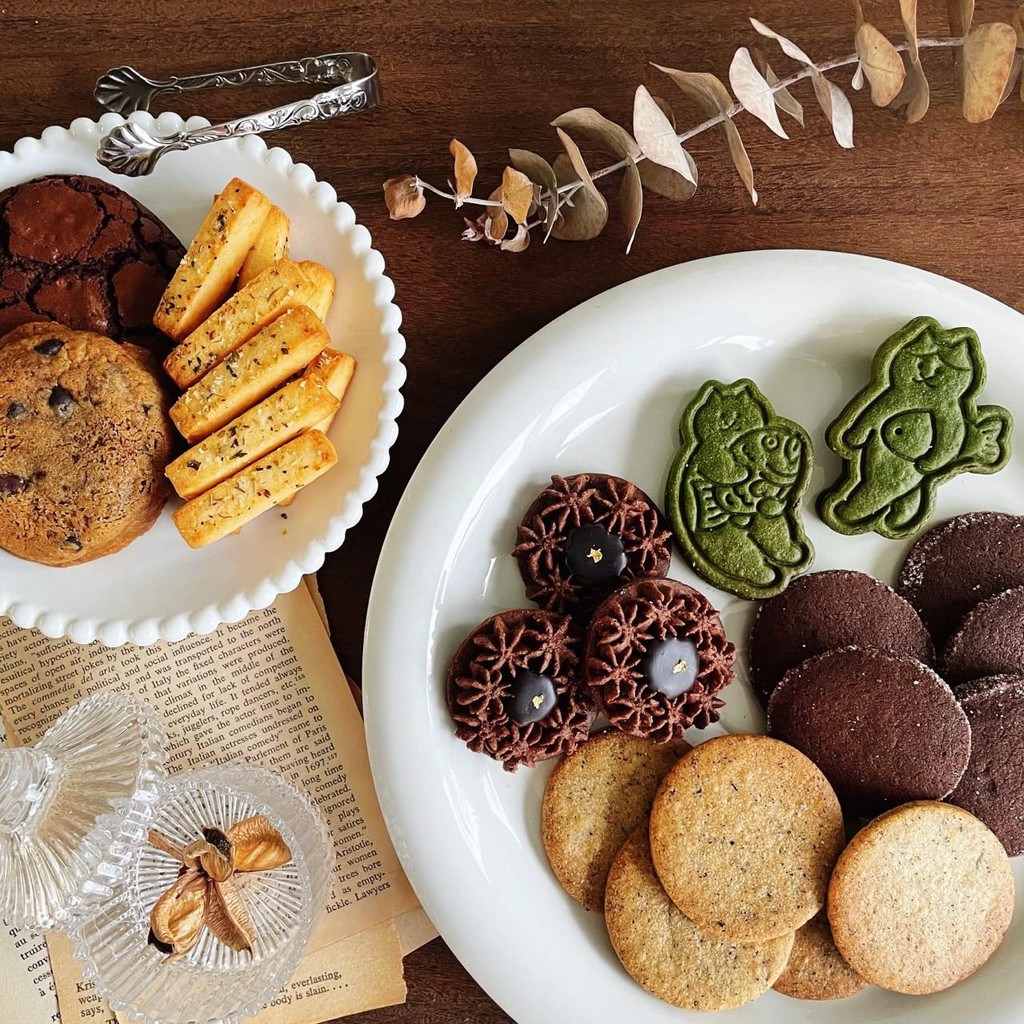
[(563, 199)]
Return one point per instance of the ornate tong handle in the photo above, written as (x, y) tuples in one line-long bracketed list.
[(131, 149)]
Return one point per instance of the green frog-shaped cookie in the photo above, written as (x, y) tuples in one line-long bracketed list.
[(734, 490), (913, 427)]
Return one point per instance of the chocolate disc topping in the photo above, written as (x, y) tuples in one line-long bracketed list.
[(595, 555), (670, 666), (532, 697)]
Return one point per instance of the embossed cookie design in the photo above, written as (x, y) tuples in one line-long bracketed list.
[(734, 491), (914, 426)]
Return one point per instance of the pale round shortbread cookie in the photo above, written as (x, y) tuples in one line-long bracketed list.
[(921, 898), (667, 954), (816, 969), (745, 831)]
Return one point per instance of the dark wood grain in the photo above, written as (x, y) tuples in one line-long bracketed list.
[(941, 195)]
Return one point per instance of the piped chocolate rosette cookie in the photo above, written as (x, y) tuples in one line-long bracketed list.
[(585, 535), (515, 688), (657, 657)]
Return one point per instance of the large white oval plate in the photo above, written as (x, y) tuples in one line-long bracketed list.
[(157, 587), (602, 389)]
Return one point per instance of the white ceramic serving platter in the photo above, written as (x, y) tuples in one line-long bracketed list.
[(157, 587), (602, 389)]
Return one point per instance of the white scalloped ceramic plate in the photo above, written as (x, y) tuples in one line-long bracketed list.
[(602, 389), (157, 587)]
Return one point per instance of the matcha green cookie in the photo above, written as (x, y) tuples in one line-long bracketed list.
[(913, 427), (734, 491)]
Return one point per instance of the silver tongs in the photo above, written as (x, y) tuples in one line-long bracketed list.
[(133, 150)]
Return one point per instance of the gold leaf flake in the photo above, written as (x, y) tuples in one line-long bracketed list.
[(516, 194), (753, 91), (465, 170), (227, 917), (404, 197), (881, 63), (258, 845), (655, 135), (988, 56)]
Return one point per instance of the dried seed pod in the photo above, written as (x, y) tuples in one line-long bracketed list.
[(226, 916), (165, 845), (218, 838), (176, 919), (258, 846)]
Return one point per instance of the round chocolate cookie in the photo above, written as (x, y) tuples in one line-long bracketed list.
[(515, 691), (585, 535), (657, 656), (990, 640), (992, 788), (83, 253), (84, 440), (823, 611), (884, 729), (960, 562)]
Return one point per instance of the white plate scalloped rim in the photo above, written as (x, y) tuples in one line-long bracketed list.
[(602, 389), (157, 588)]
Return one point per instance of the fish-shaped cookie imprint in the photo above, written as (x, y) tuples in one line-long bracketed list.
[(734, 490)]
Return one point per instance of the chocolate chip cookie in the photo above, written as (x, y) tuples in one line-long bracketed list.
[(84, 439), (78, 251)]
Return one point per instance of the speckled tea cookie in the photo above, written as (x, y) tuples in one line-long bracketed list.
[(921, 898), (84, 440), (823, 611), (667, 954), (989, 641), (958, 564), (594, 799), (992, 787), (816, 969), (657, 658), (585, 535), (744, 833), (515, 688), (884, 729)]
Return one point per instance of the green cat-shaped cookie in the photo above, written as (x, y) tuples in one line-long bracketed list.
[(734, 491), (913, 427)]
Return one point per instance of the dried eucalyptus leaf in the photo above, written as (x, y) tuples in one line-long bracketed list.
[(540, 171), (1012, 80), (961, 14), (667, 183), (474, 231), (857, 82), (789, 48), (588, 214), (666, 109), (495, 219), (404, 197), (465, 170), (176, 920), (572, 151), (908, 14), (631, 202), (709, 93), (518, 242), (165, 845), (987, 60), (882, 64), (656, 136), (227, 917), (784, 99), (594, 125), (516, 194), (836, 107), (753, 91), (257, 844), (915, 95)]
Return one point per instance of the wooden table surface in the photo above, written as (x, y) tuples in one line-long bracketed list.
[(941, 195)]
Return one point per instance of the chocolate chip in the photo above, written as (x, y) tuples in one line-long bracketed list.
[(49, 347), (60, 400), (72, 543), (16, 410), (12, 484)]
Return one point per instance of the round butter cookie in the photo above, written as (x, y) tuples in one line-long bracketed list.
[(84, 439), (594, 799), (921, 898), (667, 954), (744, 833), (989, 641), (816, 969)]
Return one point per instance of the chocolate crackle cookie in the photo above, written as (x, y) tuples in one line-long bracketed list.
[(585, 535), (824, 611), (84, 440), (657, 657), (85, 254), (514, 688)]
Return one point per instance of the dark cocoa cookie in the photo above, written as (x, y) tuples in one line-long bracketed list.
[(83, 253), (883, 728), (585, 535), (990, 640), (84, 440), (657, 657), (515, 690), (960, 562), (824, 611), (992, 788)]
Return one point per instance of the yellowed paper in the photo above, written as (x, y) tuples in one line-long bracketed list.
[(415, 929), (26, 983), (76, 997)]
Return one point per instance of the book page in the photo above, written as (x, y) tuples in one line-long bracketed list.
[(26, 981)]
